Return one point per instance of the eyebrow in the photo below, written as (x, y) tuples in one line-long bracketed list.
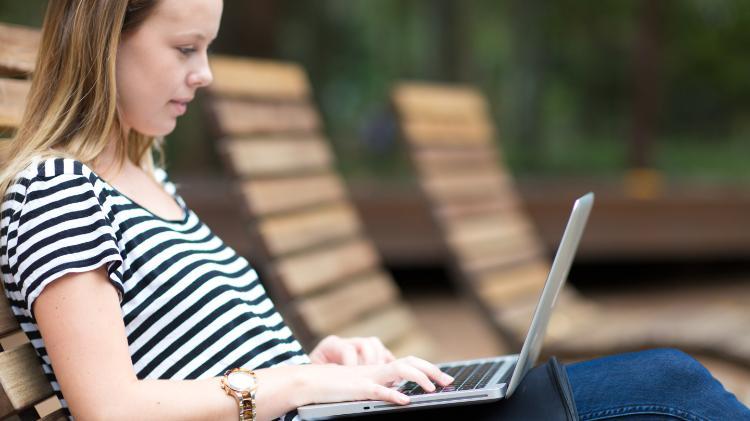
[(198, 35)]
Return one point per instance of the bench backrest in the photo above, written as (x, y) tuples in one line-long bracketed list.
[(318, 264), (23, 384), (496, 252)]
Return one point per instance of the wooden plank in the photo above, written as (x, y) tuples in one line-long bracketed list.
[(466, 187), (20, 45), (266, 156), (266, 196), (493, 254), (13, 94), (239, 117), (58, 415), (506, 285), (8, 323), (442, 133), (14, 340), (506, 226), (433, 161), (313, 271), (335, 309), (419, 101), (460, 210), (390, 325), (292, 232), (271, 80), (22, 379)]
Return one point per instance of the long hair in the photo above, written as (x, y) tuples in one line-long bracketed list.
[(71, 110)]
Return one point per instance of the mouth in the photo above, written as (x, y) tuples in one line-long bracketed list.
[(180, 105)]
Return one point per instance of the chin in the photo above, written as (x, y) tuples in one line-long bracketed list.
[(159, 131)]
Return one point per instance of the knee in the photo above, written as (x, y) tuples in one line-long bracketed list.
[(674, 368)]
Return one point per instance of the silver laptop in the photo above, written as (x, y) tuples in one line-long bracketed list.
[(486, 379)]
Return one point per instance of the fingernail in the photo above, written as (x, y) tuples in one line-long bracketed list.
[(447, 378), (404, 399)]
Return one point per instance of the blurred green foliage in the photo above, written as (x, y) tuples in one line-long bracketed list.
[(559, 75)]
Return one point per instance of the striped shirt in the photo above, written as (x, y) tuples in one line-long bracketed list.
[(192, 307)]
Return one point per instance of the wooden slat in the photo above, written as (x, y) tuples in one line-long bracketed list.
[(19, 49), (391, 324), (466, 187), (14, 340), (315, 270), (258, 79), (493, 254), (8, 323), (460, 210), (278, 195), (441, 133), (432, 161), (418, 101), (22, 379), (238, 118), (278, 156), (13, 95), (325, 313), (505, 286), (58, 415), (506, 226), (291, 232)]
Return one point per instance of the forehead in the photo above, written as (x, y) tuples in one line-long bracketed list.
[(195, 16)]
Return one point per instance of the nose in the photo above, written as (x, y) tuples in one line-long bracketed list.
[(201, 76)]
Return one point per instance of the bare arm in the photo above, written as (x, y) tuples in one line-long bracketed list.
[(81, 323)]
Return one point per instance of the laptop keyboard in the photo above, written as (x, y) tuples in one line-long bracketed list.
[(466, 377)]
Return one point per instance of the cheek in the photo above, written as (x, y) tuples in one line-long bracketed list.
[(143, 92)]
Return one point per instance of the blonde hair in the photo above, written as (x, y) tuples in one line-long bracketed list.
[(71, 109)]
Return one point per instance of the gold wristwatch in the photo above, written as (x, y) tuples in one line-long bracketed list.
[(241, 384)]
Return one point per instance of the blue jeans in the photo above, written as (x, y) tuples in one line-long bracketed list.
[(661, 384)]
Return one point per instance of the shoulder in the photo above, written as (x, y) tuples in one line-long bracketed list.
[(54, 176)]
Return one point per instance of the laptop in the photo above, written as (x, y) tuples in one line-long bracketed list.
[(485, 379)]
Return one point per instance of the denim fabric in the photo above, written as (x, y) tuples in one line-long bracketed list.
[(660, 384)]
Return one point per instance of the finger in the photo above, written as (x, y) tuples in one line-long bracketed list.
[(381, 393), (412, 373), (367, 354), (348, 354), (431, 370), (384, 355)]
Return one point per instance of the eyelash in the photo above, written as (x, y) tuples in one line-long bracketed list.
[(186, 51)]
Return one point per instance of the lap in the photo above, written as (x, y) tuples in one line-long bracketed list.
[(658, 384)]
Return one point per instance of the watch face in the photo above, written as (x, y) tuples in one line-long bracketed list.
[(240, 381)]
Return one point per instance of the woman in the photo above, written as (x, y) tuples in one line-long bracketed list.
[(138, 306)]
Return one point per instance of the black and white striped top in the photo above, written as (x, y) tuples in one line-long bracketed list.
[(192, 307)]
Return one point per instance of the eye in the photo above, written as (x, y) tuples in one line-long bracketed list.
[(186, 51)]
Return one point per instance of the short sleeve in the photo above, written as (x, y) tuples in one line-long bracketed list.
[(60, 228)]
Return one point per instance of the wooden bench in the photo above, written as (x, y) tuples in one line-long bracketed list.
[(25, 391), (499, 259), (321, 269)]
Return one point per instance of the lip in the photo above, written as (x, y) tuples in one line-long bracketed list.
[(180, 105)]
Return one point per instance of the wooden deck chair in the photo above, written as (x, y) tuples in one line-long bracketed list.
[(25, 392), (499, 259), (317, 263)]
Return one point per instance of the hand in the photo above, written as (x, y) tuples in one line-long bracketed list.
[(351, 351), (337, 383)]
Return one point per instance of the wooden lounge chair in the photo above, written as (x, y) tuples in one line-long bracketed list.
[(23, 384), (497, 256), (320, 268)]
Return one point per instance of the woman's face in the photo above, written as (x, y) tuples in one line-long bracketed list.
[(163, 62)]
